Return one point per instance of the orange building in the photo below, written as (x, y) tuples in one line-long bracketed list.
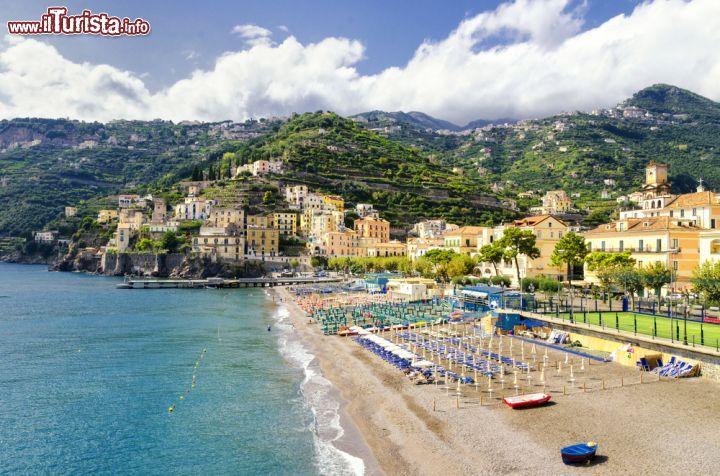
[(376, 228)]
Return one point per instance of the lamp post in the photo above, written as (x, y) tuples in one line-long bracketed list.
[(687, 308)]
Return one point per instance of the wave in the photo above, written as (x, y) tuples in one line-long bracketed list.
[(322, 399)]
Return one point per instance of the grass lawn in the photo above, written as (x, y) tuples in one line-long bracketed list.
[(646, 325)]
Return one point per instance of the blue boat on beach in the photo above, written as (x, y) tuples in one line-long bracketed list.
[(579, 453)]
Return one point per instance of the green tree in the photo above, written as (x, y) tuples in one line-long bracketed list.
[(629, 280), (318, 262), (268, 198), (460, 265), (570, 250), (655, 276), (145, 244), (492, 253), (598, 260), (706, 281), (424, 267), (294, 263), (518, 242), (170, 241), (439, 256)]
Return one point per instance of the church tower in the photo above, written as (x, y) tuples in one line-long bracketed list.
[(655, 173), (656, 180)]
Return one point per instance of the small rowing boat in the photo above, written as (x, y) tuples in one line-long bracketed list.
[(527, 401), (580, 453)]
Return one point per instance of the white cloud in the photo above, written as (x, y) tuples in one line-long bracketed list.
[(544, 64), (253, 34)]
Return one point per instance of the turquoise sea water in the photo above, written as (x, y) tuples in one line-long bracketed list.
[(87, 373)]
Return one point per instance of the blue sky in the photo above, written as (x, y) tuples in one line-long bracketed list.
[(191, 35), (459, 60)]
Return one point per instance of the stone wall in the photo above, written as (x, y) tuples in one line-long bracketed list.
[(160, 265)]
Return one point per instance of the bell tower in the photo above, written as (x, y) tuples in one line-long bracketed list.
[(656, 180), (655, 173)]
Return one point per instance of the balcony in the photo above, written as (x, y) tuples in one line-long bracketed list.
[(632, 249)]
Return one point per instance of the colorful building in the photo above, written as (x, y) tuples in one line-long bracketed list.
[(376, 228), (663, 239), (466, 240)]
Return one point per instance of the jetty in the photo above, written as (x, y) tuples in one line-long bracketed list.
[(143, 283)]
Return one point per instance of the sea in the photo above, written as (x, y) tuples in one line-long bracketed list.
[(95, 379)]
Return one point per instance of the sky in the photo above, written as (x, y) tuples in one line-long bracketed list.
[(458, 60)]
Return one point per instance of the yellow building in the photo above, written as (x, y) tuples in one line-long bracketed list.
[(385, 250), (556, 201), (221, 217), (106, 216), (376, 228), (123, 235), (547, 230), (334, 201), (667, 240), (286, 224), (467, 239), (220, 242), (260, 221), (132, 217), (306, 218), (262, 241)]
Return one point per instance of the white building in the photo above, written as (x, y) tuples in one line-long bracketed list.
[(194, 208)]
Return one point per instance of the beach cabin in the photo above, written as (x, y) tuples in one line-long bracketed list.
[(412, 289), (377, 282), (481, 297)]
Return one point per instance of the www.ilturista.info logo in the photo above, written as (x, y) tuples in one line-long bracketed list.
[(57, 22)]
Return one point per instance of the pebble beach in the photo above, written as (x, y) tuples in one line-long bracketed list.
[(402, 428)]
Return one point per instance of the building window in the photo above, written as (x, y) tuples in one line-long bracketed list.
[(682, 213), (641, 245), (658, 245), (675, 265), (602, 246), (622, 245), (712, 223), (674, 243), (694, 211)]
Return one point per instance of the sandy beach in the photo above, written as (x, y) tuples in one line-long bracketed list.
[(396, 431)]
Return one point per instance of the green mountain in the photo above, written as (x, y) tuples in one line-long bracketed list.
[(418, 120), (664, 99), (47, 164), (588, 153), (336, 155), (395, 160)]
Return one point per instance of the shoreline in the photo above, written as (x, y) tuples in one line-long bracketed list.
[(635, 426), (350, 442)]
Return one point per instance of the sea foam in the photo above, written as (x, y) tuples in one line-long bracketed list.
[(321, 398)]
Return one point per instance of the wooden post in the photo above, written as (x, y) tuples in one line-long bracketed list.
[(564, 390), (433, 404), (603, 384), (622, 381), (457, 401)]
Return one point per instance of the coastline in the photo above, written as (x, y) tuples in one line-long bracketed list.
[(340, 444), (634, 425)]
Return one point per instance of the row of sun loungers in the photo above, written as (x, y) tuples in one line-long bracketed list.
[(558, 337), (677, 369), (470, 358)]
